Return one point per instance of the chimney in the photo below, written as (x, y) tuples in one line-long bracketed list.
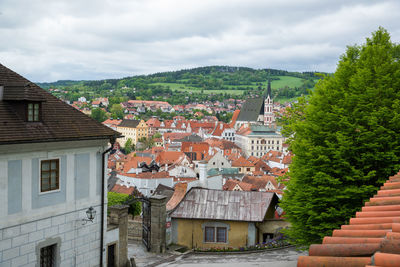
[(166, 167), (220, 126), (203, 174)]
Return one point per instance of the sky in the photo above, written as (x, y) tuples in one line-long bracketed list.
[(49, 40)]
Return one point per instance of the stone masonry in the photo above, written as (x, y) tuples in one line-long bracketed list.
[(158, 220), (78, 245), (120, 213)]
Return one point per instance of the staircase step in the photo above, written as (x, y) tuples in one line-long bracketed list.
[(344, 250)]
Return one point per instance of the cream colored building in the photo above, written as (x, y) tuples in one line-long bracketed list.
[(257, 140), (133, 129)]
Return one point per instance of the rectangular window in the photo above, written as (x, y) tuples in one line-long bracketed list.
[(47, 256), (49, 175), (221, 234), (33, 111), (248, 169), (209, 234)]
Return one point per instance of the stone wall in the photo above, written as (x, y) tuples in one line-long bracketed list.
[(78, 244), (135, 229)]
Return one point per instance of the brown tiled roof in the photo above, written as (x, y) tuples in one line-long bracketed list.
[(234, 117), (230, 184), (169, 157), (122, 189), (149, 175), (242, 162), (179, 194), (59, 121), (371, 239), (129, 123), (260, 182), (133, 162)]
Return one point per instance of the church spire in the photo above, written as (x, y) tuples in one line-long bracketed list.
[(269, 117), (269, 89)]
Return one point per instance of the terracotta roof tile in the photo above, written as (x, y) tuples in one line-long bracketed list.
[(234, 118), (373, 236), (122, 189), (179, 194), (170, 157), (134, 162), (242, 162), (149, 175)]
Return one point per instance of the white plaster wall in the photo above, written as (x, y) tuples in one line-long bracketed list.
[(20, 233), (80, 243)]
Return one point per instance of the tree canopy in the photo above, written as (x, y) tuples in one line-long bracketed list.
[(99, 115), (346, 139)]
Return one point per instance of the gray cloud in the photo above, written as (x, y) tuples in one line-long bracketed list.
[(96, 39)]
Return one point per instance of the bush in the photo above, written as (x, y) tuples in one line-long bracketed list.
[(118, 199)]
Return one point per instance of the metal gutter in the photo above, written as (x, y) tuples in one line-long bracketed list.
[(112, 141)]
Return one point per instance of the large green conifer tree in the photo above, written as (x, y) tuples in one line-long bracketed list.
[(346, 139)]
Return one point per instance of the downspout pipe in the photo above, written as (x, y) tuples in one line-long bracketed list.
[(103, 161)]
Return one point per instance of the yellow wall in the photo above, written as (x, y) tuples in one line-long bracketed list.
[(244, 169), (270, 226), (190, 234)]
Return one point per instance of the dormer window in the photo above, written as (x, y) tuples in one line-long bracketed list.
[(33, 112)]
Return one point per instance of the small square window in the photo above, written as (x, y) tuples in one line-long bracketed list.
[(49, 175)]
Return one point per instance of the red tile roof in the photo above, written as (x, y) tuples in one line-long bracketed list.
[(230, 184), (242, 162), (371, 239), (259, 183), (149, 175), (179, 194), (134, 162), (169, 157), (234, 118), (122, 189)]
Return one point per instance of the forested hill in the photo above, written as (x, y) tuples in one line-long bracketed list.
[(213, 80)]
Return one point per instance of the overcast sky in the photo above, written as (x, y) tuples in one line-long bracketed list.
[(97, 39)]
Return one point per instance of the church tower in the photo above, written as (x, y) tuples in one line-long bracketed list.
[(269, 117)]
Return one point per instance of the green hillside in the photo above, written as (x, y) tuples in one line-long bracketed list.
[(204, 83)]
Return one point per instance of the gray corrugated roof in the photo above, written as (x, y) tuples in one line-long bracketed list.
[(251, 109), (211, 204)]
